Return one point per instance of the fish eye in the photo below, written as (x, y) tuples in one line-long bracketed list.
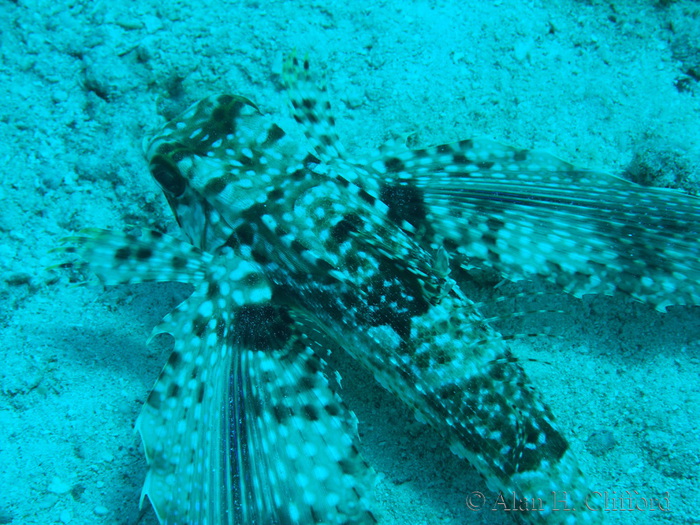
[(168, 176)]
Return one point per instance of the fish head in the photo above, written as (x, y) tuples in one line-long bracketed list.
[(217, 160)]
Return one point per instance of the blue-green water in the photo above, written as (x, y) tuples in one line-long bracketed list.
[(82, 83)]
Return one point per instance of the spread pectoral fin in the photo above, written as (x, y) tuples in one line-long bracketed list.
[(292, 442), (243, 427), (526, 212)]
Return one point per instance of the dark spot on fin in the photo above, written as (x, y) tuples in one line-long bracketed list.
[(367, 197), (311, 160), (123, 253), (154, 399), (349, 224), (405, 203), (275, 195), (167, 176), (215, 186), (175, 359), (495, 224), (333, 409), (553, 448), (246, 234), (311, 412), (520, 155), (281, 413), (143, 254), (394, 165), (262, 327), (173, 390), (273, 135)]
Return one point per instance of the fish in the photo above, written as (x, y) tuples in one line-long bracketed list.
[(296, 249)]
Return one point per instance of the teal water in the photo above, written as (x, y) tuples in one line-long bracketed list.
[(598, 84)]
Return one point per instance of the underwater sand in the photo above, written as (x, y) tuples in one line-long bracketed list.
[(81, 83)]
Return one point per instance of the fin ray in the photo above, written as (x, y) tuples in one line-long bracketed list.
[(524, 212), (121, 258), (312, 109)]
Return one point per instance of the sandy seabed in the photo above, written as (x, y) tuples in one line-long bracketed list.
[(598, 83)]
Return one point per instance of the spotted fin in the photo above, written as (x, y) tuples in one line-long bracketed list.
[(525, 212), (121, 258), (458, 375), (305, 438), (242, 425)]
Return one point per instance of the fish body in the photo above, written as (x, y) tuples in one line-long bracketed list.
[(294, 251)]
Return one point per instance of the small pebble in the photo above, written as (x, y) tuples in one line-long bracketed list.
[(100, 510), (355, 98), (152, 23), (601, 442), (51, 179), (66, 516), (59, 95), (59, 487), (129, 23), (47, 502)]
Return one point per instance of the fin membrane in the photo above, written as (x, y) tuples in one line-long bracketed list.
[(121, 258), (525, 212), (290, 430), (242, 426), (311, 108), (458, 375)]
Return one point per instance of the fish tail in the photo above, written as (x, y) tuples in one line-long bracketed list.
[(459, 376)]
